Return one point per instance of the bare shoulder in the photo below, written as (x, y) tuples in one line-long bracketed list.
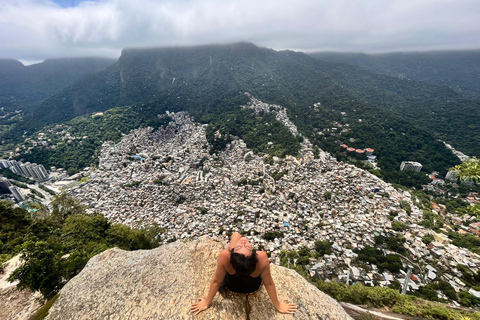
[(262, 258), (224, 256)]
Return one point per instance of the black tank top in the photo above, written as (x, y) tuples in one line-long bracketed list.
[(238, 284)]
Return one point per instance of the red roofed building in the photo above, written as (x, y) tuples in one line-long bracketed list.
[(471, 199), (475, 225), (351, 149), (457, 221), (369, 150), (360, 151), (344, 146)]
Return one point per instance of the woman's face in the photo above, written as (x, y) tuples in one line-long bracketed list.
[(244, 247)]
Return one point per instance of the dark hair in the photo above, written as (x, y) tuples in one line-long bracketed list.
[(242, 264)]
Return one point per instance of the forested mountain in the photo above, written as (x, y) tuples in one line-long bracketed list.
[(25, 87), (452, 116), (458, 70), (210, 81)]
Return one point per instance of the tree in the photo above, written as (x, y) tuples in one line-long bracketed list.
[(56, 246), (448, 290), (42, 268), (272, 235), (406, 206), (85, 231), (393, 263), (14, 223), (303, 261), (64, 205), (427, 238), (398, 226), (323, 247), (395, 243), (379, 240), (470, 169)]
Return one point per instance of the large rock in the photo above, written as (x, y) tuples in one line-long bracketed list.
[(164, 282), (15, 304)]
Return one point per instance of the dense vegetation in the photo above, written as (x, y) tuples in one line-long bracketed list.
[(262, 133), (468, 170), (457, 70), (25, 87), (393, 139), (371, 255), (57, 244), (437, 108), (468, 241)]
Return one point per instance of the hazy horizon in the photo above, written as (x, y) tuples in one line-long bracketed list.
[(32, 62)]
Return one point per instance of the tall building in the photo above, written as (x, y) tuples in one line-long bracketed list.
[(16, 194), (411, 165), (451, 176), (4, 186), (29, 170), (4, 164), (16, 168), (43, 171)]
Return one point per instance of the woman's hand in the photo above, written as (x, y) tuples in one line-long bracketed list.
[(199, 306), (285, 307)]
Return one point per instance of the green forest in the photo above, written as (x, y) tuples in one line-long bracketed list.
[(56, 244)]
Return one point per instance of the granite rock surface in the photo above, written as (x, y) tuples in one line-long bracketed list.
[(15, 304), (164, 282)]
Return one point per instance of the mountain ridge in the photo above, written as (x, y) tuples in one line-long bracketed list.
[(25, 87), (209, 82), (456, 69)]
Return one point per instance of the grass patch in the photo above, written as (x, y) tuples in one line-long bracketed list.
[(43, 311), (50, 191), (131, 185), (37, 193), (83, 180)]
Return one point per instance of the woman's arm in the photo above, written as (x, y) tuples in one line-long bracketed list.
[(282, 306), (217, 279), (233, 240)]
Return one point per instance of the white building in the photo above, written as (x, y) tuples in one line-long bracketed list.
[(451, 176), (411, 165)]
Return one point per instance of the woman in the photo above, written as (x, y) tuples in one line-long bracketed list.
[(242, 269)]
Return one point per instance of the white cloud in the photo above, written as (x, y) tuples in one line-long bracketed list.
[(37, 29)]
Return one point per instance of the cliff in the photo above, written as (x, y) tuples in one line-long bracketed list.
[(164, 282), (15, 304)]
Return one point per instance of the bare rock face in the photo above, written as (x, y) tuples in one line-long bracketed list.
[(164, 282), (18, 305), (15, 304)]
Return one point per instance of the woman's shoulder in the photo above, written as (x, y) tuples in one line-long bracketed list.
[(263, 261), (224, 255), (262, 257)]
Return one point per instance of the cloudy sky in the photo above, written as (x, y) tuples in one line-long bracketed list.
[(38, 29)]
